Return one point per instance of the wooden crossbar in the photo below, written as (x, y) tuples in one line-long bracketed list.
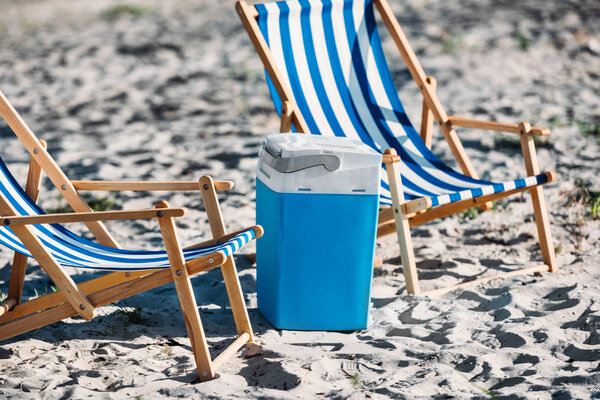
[(528, 270), (146, 186), (140, 281), (386, 224)]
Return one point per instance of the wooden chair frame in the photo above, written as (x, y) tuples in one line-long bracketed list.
[(405, 214), (83, 299)]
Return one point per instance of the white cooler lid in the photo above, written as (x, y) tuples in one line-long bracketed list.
[(294, 162)]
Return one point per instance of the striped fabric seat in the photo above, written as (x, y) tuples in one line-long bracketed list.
[(71, 250), (329, 53)]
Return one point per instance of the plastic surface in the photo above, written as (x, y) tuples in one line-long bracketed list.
[(300, 163), (315, 260)]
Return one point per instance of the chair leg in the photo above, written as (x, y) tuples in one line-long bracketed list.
[(187, 300), (543, 227), (402, 227), (32, 188), (540, 211), (17, 277), (230, 275)]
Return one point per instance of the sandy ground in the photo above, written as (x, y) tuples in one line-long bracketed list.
[(174, 90)]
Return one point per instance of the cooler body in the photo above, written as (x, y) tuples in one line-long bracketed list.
[(315, 259)]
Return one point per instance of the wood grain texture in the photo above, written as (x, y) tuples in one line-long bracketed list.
[(402, 227), (185, 293), (230, 275), (19, 265), (146, 186), (63, 218), (495, 126), (427, 116), (226, 354), (540, 210)]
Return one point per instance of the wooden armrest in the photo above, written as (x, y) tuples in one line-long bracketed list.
[(146, 186), (18, 220), (258, 232), (495, 126), (390, 156)]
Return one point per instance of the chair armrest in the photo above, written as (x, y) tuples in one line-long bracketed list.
[(146, 186), (495, 126), (388, 158), (120, 215)]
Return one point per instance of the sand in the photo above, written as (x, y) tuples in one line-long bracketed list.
[(175, 90)]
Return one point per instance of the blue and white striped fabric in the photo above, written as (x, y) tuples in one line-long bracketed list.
[(71, 250), (329, 53)]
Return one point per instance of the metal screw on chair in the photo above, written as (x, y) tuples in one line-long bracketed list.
[(210, 261), (128, 274), (160, 214), (178, 272), (7, 221), (81, 306), (35, 151), (205, 188), (204, 373), (396, 210), (64, 187)]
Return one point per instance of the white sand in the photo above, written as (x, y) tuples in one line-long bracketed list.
[(179, 92)]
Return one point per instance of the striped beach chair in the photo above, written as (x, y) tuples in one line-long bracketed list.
[(30, 233), (328, 75)]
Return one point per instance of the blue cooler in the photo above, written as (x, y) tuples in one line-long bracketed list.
[(317, 199)]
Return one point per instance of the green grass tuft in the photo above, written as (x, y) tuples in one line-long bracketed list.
[(121, 10), (588, 129), (583, 195), (355, 379), (474, 212), (450, 42), (133, 315), (522, 40), (95, 203)]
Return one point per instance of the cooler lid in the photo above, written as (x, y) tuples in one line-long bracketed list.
[(293, 152)]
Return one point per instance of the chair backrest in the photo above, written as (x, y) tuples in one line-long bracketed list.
[(329, 53), (12, 194)]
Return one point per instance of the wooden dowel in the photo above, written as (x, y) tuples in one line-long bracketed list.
[(146, 186), (230, 350), (529, 270), (495, 126), (64, 218), (7, 305)]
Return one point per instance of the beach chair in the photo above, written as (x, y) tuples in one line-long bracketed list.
[(29, 232), (328, 75)]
